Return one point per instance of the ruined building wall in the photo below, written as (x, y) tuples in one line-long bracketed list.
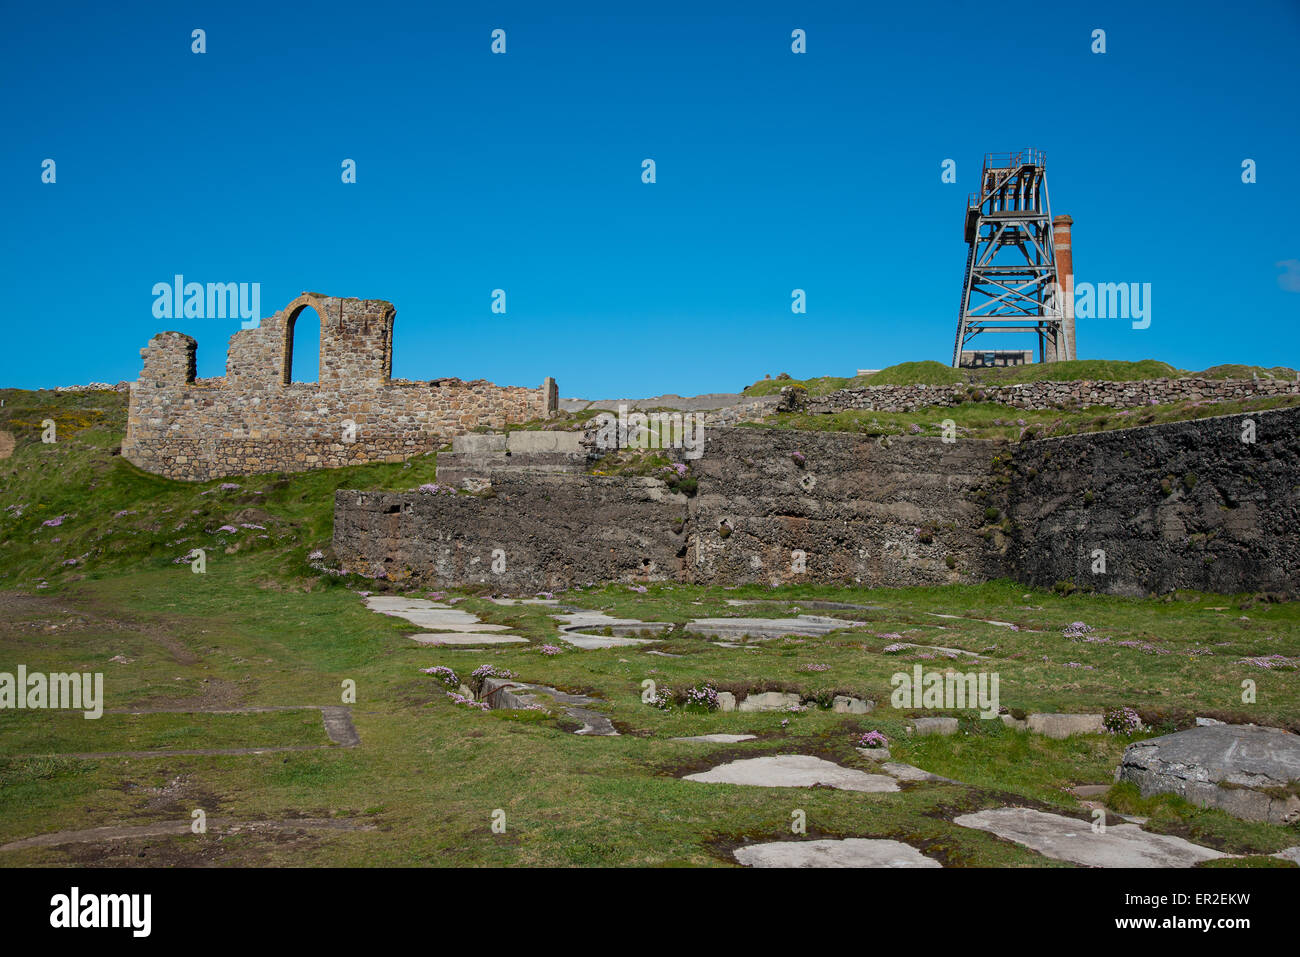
[(255, 419)]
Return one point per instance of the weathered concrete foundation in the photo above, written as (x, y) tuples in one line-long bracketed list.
[(1184, 505)]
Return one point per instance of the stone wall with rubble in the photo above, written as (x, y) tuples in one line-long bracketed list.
[(1036, 395), (536, 532), (770, 507), (256, 419), (1183, 505)]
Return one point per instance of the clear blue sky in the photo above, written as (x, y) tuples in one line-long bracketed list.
[(523, 172)]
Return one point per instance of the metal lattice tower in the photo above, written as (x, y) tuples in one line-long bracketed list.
[(1011, 278)]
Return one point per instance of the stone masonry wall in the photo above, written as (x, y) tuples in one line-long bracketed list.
[(1037, 395), (255, 419), (861, 511), (1182, 505), (532, 533)]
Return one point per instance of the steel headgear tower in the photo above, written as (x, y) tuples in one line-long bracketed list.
[(1011, 282)]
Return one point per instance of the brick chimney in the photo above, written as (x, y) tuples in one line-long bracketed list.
[(1065, 276)]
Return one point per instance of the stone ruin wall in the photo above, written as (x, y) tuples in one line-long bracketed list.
[(1038, 395), (255, 419), (1179, 505), (854, 507)]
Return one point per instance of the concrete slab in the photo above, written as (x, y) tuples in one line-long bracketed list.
[(808, 626), (793, 771), (845, 704), (578, 629), (941, 726), (1061, 726), (769, 701), (1069, 839), (430, 614), (908, 772), (850, 852), (388, 604), (467, 638), (595, 642)]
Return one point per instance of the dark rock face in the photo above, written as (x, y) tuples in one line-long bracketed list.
[(1248, 771), (1184, 505)]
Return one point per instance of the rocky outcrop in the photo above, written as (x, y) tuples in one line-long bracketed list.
[(1211, 504), (1245, 770)]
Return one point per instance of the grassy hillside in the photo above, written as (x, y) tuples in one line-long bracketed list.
[(75, 509), (937, 373), (263, 628)]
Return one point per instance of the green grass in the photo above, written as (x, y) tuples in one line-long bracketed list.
[(265, 627), (62, 732), (928, 372), (992, 420)]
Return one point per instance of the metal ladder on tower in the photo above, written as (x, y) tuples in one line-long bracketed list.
[(961, 309)]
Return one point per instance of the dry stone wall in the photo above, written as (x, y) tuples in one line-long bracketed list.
[(1037, 395), (255, 419)]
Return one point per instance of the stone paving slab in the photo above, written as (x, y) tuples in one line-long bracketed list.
[(577, 626), (1069, 839), (794, 771), (467, 638), (718, 738), (806, 626), (850, 852), (430, 614), (598, 642), (909, 772), (1061, 726)]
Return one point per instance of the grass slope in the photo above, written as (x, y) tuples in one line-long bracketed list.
[(264, 627)]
